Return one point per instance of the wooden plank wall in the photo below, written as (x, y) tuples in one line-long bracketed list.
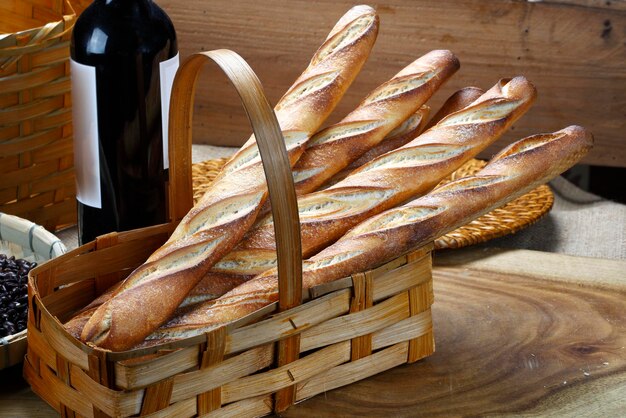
[(573, 50)]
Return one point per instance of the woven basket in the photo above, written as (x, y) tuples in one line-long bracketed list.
[(36, 156), (345, 331)]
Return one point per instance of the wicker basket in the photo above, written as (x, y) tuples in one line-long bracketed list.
[(345, 331), (36, 157)]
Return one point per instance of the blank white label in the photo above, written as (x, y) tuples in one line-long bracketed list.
[(85, 121), (167, 70)]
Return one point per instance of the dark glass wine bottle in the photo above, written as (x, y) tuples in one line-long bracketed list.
[(123, 59)]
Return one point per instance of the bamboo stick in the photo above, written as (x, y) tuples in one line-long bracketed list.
[(214, 354), (67, 300), (182, 409), (147, 372), (64, 394), (356, 324), (361, 346), (411, 327), (41, 387), (420, 299), (112, 402), (402, 278), (252, 407), (38, 343), (61, 342), (287, 375), (289, 323), (106, 260), (237, 367), (354, 371), (157, 397)]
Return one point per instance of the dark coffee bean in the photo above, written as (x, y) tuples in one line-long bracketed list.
[(13, 294)]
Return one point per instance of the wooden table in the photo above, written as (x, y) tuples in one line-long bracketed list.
[(517, 332)]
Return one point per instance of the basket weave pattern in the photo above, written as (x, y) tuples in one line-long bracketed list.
[(36, 155), (348, 330)]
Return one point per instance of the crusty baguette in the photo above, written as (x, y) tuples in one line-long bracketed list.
[(517, 169), (154, 290), (332, 149), (76, 324), (457, 101), (383, 183), (485, 121), (391, 178), (410, 129)]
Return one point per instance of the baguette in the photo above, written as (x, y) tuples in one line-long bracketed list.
[(457, 101), (392, 178), (333, 148), (403, 134), (383, 183), (149, 296), (412, 127), (514, 171), (76, 324)]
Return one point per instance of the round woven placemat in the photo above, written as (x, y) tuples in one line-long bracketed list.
[(505, 220)]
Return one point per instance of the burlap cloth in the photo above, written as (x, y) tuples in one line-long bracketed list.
[(580, 223)]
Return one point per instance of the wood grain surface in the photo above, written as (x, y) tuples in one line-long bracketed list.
[(506, 345), (573, 50), (529, 343)]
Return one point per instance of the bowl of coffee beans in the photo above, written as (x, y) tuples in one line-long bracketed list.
[(23, 245)]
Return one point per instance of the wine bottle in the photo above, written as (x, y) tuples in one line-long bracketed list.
[(124, 57)]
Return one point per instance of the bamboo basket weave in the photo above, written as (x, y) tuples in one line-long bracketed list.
[(36, 156), (345, 331)]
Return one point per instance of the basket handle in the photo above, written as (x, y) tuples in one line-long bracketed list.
[(271, 148)]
